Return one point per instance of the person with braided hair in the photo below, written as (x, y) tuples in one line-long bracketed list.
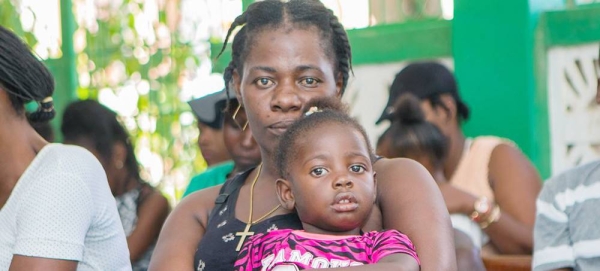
[(56, 208), (286, 54)]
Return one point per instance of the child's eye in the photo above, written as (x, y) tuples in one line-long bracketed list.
[(317, 172), (264, 82), (309, 82), (357, 168)]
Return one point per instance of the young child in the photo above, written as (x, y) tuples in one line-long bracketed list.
[(411, 136), (325, 161)]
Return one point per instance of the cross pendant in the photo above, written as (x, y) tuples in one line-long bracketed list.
[(243, 235)]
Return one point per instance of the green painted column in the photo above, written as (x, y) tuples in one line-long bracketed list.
[(64, 69), (493, 48)]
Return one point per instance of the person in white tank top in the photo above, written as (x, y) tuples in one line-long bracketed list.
[(489, 176)]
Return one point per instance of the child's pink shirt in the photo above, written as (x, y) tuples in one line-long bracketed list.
[(298, 250)]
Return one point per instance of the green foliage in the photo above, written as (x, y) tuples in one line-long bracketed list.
[(128, 49), (9, 18), (134, 54)]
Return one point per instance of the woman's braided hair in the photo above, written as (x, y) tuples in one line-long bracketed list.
[(302, 13), (24, 77)]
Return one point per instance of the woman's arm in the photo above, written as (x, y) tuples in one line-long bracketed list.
[(25, 263), (516, 185), (411, 203), (151, 216), (183, 230)]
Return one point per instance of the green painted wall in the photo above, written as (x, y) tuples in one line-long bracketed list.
[(570, 27), (383, 43), (493, 48)]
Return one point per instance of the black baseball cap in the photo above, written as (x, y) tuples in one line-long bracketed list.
[(423, 80), (209, 109)]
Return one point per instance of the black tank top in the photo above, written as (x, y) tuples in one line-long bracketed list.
[(216, 250)]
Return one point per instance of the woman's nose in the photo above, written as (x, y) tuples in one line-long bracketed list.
[(285, 98)]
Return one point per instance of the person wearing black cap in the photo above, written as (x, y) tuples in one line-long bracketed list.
[(490, 179), (237, 140), (209, 113)]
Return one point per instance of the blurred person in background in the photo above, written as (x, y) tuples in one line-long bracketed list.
[(240, 144), (56, 209), (566, 235), (411, 136), (488, 175), (142, 209), (209, 114)]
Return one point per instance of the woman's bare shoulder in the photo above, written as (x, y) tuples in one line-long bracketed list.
[(199, 203), (182, 231), (401, 170), (406, 177)]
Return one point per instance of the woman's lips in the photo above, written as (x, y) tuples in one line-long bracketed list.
[(280, 127)]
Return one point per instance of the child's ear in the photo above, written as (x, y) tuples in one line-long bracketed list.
[(285, 195)]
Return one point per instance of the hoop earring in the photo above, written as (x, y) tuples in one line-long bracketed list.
[(237, 110)]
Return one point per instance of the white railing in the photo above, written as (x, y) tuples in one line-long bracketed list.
[(573, 113)]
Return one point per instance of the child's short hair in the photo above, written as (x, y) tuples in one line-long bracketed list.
[(410, 135), (317, 112)]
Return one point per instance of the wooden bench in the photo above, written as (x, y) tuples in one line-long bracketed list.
[(507, 262)]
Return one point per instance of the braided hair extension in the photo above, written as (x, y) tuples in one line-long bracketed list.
[(24, 77), (275, 13)]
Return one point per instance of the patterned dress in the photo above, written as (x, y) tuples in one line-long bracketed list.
[(127, 204)]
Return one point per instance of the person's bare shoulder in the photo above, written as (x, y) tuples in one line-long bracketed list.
[(405, 182), (200, 203), (401, 170), (183, 230)]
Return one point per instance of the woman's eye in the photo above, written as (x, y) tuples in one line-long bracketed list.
[(318, 172), (309, 82), (264, 82), (357, 168)]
